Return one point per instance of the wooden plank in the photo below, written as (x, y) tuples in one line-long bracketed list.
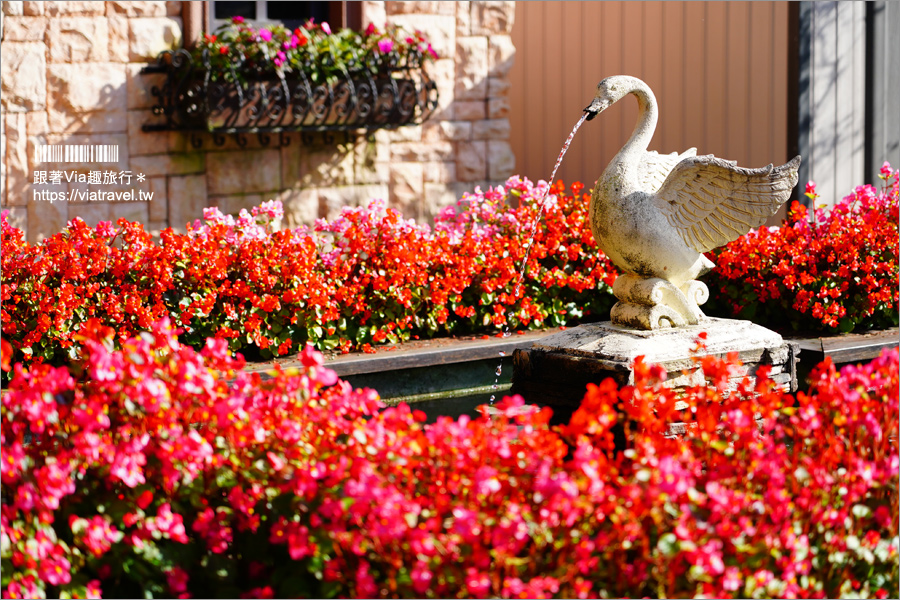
[(739, 92), (878, 49), (723, 70), (801, 14), (852, 347), (612, 127), (537, 84), (418, 354), (572, 98), (824, 79), (519, 102), (778, 67), (760, 49), (553, 87), (783, 114), (858, 125), (632, 40), (585, 78), (848, 97), (890, 120), (845, 349), (694, 91), (652, 65), (672, 103), (883, 130)]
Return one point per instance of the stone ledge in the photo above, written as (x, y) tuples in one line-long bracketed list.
[(849, 347), (663, 346), (557, 369), (425, 353)]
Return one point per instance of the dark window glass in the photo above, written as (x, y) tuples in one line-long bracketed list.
[(295, 14), (226, 10)]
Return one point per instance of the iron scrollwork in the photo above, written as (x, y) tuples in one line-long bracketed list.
[(249, 101)]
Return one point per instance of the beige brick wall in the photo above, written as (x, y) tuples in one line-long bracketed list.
[(71, 75)]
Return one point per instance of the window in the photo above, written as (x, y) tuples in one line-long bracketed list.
[(291, 14)]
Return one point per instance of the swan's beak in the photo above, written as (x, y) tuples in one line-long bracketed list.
[(596, 107)]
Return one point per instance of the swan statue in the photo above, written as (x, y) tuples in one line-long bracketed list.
[(655, 215)]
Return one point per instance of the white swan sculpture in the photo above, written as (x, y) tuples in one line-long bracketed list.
[(654, 215)]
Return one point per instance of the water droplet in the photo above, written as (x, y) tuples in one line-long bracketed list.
[(499, 371), (502, 353)]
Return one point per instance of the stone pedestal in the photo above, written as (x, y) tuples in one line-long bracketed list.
[(556, 369)]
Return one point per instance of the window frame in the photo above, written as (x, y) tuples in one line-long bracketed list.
[(340, 14)]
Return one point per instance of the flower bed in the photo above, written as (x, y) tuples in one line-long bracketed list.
[(371, 277), (367, 277), (238, 50), (242, 78), (838, 271), (141, 471)]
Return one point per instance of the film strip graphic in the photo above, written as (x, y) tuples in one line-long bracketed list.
[(77, 153)]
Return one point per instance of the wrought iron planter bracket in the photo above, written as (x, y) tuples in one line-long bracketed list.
[(248, 103)]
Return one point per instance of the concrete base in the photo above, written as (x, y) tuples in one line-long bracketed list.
[(556, 369)]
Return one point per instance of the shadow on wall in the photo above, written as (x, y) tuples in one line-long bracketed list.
[(833, 98), (84, 106), (68, 79)]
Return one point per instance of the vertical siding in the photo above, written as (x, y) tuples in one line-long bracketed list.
[(718, 77), (883, 129), (823, 125), (836, 152), (718, 69)]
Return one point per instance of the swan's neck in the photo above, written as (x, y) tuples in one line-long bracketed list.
[(646, 124)]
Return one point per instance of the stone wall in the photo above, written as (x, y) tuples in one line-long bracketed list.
[(71, 75)]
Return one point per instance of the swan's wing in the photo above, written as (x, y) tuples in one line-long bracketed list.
[(656, 167), (711, 201)]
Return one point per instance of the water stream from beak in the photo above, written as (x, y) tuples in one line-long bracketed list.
[(542, 203)]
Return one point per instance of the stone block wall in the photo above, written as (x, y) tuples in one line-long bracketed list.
[(71, 75)]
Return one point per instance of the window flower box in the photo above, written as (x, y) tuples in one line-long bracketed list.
[(242, 79)]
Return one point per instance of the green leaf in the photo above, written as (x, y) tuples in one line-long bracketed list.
[(668, 544)]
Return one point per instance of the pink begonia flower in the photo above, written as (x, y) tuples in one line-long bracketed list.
[(273, 208), (732, 579), (237, 20), (811, 190), (177, 578), (107, 366), (169, 523), (55, 570), (99, 535), (25, 496), (478, 582), (421, 577), (326, 28), (385, 46), (486, 481), (265, 35), (106, 229)]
